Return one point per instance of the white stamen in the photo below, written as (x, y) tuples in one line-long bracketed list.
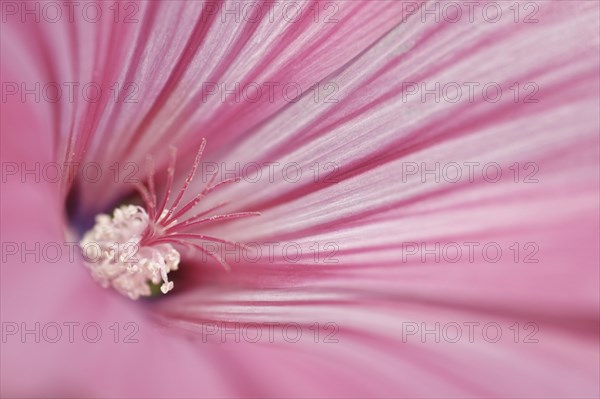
[(113, 253)]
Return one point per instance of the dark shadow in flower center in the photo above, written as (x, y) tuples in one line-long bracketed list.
[(81, 221), (178, 279)]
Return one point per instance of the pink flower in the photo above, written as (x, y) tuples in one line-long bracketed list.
[(426, 177)]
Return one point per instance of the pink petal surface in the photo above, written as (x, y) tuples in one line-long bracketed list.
[(374, 290)]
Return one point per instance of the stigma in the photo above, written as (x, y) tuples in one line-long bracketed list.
[(136, 248)]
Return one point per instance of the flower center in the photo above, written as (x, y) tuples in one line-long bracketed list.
[(115, 255), (135, 247)]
